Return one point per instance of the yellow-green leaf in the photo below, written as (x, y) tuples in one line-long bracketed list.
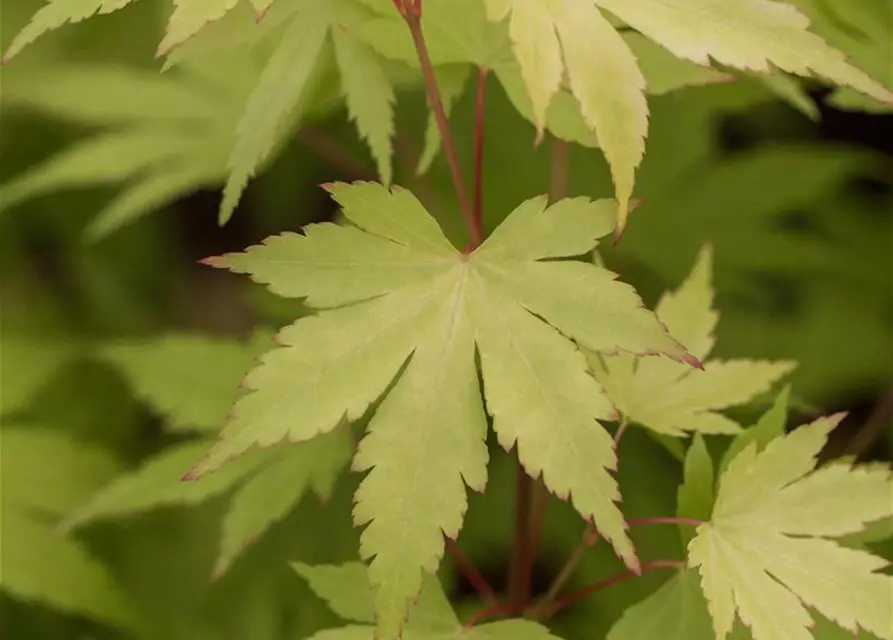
[(765, 556)]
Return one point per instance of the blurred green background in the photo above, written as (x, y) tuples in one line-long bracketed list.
[(102, 227)]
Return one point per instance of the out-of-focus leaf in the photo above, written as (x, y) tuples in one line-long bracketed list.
[(45, 470), (28, 362), (159, 483), (190, 379), (278, 487), (43, 567)]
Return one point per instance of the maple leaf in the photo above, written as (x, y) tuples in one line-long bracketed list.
[(753, 35), (285, 83), (602, 72), (160, 137), (604, 75), (45, 474), (766, 552), (399, 301), (676, 611), (192, 381), (672, 399), (345, 588)]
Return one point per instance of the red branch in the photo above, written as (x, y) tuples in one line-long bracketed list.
[(578, 594), (474, 577), (411, 10), (479, 149), (637, 522), (519, 587)]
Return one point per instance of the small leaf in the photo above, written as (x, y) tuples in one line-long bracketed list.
[(671, 398), (189, 17), (28, 364), (764, 555), (155, 190), (277, 488), (605, 78), (47, 471), (536, 46), (191, 380), (514, 629), (369, 96), (749, 34), (697, 493), (282, 86), (676, 611), (345, 588), (769, 427), (106, 158), (55, 14), (48, 569), (158, 483)]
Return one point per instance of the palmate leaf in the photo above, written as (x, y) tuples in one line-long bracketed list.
[(40, 566), (191, 380), (676, 611), (44, 475), (603, 73), (750, 35), (398, 301), (162, 137), (284, 87), (345, 588), (672, 399), (573, 36), (766, 552), (598, 61)]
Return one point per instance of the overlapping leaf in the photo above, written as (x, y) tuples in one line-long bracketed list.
[(345, 588), (673, 399), (398, 301), (676, 611), (766, 553), (162, 137), (45, 474), (574, 37), (174, 162), (192, 381), (598, 61), (603, 72)]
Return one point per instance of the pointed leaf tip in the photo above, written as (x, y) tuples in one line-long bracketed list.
[(689, 359)]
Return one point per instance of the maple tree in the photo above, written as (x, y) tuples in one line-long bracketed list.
[(410, 345)]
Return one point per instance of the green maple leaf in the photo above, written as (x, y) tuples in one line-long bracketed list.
[(29, 363), (676, 611), (672, 399), (753, 35), (766, 552), (161, 137), (191, 380), (398, 301), (697, 492), (45, 474), (345, 588), (459, 33), (277, 487), (550, 39), (284, 84), (157, 483), (603, 72)]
